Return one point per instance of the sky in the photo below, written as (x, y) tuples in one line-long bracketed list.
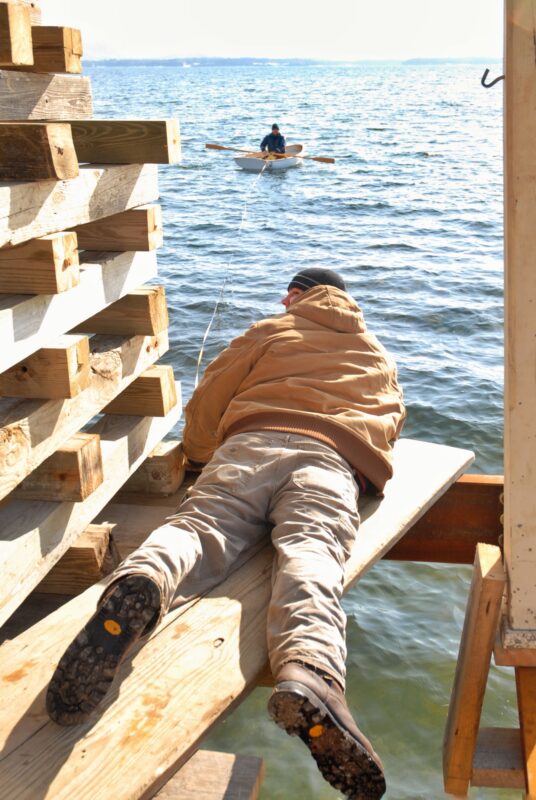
[(336, 29)]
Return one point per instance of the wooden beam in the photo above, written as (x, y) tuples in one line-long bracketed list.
[(37, 151), (469, 513), (30, 210), (526, 703), (48, 265), (90, 558), (27, 323), (56, 49), (31, 96), (107, 141), (224, 632), (34, 8), (215, 776), (161, 474), (135, 229), (153, 394), (478, 636), (498, 761), (520, 321), (32, 430), (143, 311), (57, 371), (72, 473), (34, 535), (15, 35)]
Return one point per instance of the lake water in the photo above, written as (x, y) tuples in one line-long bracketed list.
[(411, 215)]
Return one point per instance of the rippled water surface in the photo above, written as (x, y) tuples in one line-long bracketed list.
[(411, 215)]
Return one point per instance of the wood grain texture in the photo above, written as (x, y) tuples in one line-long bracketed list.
[(32, 209), (48, 265), (135, 229), (127, 141), (162, 472), (526, 703), (215, 776), (29, 322), (56, 49), (37, 151), (152, 394), (40, 97), (72, 473), (217, 644), (60, 370), (478, 636), (90, 558), (32, 430), (34, 6), (143, 311), (34, 535), (15, 35), (498, 760)]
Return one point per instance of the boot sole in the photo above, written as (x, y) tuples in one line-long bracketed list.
[(88, 667), (343, 761)]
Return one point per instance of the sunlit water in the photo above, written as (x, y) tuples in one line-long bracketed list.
[(411, 215)]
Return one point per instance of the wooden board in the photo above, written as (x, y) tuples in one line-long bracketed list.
[(34, 7), (152, 394), (48, 265), (56, 49), (72, 473), (526, 703), (32, 430), (37, 151), (213, 650), (143, 311), (498, 760), (60, 370), (162, 472), (34, 535), (520, 321), (30, 96), (107, 141), (15, 35), (478, 636), (30, 210), (215, 776), (89, 559), (27, 323), (135, 229)]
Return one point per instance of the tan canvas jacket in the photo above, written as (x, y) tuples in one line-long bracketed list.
[(313, 370)]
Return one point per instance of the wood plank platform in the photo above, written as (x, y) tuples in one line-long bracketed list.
[(34, 535), (24, 95), (215, 776), (217, 644), (29, 322), (36, 208)]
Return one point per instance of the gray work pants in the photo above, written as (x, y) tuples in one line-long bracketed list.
[(302, 491)]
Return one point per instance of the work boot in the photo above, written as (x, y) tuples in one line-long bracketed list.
[(313, 708), (88, 667)]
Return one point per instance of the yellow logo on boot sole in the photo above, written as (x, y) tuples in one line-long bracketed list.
[(112, 627)]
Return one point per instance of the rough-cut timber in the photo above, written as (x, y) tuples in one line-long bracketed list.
[(127, 141), (162, 472), (31, 430), (72, 473), (57, 371), (27, 323), (526, 703), (15, 35), (37, 151), (143, 311), (478, 636), (48, 265), (34, 97), (56, 49), (34, 535), (498, 760), (215, 776), (136, 229), (92, 556), (153, 394), (34, 7), (213, 649), (29, 210)]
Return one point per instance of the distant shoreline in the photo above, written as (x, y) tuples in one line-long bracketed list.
[(270, 62)]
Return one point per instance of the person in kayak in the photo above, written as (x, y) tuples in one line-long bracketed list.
[(274, 142), (289, 423)]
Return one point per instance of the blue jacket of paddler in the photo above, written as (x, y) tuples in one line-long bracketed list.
[(274, 143)]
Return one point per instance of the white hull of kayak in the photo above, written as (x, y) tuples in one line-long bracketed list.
[(255, 163)]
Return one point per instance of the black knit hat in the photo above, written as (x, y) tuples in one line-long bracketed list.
[(316, 276), (275, 126)]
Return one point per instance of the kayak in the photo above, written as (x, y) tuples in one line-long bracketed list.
[(257, 162)]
